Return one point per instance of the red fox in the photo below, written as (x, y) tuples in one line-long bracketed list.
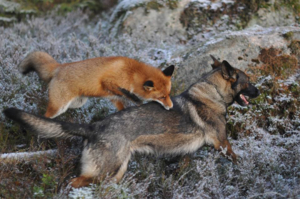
[(118, 78)]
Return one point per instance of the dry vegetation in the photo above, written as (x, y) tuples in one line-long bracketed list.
[(265, 135)]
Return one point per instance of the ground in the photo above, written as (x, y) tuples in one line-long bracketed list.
[(265, 135)]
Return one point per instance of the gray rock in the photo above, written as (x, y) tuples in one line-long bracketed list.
[(240, 49), (10, 11), (268, 17), (8, 6), (149, 20)]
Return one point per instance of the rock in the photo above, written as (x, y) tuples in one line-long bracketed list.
[(180, 21), (7, 20), (203, 16), (8, 6), (11, 11), (151, 20), (268, 17), (239, 48), (209, 27), (6, 9)]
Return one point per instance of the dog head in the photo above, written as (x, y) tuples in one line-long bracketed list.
[(240, 84)]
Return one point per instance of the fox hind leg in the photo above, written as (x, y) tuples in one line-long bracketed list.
[(56, 108), (78, 102), (60, 98)]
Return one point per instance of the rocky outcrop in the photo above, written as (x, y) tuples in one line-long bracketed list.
[(11, 12), (150, 20), (183, 20), (204, 16), (240, 48), (231, 30)]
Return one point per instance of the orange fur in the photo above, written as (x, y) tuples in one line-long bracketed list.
[(81, 181), (97, 77)]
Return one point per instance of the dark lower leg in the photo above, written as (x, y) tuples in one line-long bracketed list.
[(226, 145), (81, 181)]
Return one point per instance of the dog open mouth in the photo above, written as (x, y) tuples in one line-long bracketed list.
[(244, 98)]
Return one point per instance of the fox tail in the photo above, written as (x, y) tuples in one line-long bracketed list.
[(40, 62)]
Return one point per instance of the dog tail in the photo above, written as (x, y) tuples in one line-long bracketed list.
[(40, 62), (47, 128)]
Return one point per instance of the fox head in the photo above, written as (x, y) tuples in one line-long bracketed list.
[(240, 87), (158, 89)]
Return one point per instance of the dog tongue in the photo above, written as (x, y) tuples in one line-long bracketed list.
[(244, 99)]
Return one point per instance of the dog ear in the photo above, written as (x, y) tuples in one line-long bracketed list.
[(228, 71), (216, 63), (169, 71), (148, 85)]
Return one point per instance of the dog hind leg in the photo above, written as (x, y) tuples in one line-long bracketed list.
[(81, 181), (123, 168)]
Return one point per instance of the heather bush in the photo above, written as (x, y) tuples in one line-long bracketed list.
[(264, 135)]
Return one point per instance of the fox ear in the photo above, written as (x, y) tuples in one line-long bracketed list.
[(228, 71), (148, 85), (216, 63), (169, 71)]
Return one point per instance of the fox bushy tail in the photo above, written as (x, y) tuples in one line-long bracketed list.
[(47, 128), (40, 62)]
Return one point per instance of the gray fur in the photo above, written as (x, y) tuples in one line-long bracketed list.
[(197, 118)]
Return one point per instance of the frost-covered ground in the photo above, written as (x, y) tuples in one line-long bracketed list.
[(265, 135)]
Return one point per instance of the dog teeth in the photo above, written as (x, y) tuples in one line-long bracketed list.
[(244, 99)]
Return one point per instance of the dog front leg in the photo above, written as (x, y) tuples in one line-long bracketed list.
[(224, 144)]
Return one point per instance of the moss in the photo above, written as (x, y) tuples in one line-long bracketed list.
[(172, 4), (194, 16), (295, 88), (153, 5), (12, 135), (100, 115), (277, 108), (288, 35), (156, 5), (38, 7), (292, 4), (295, 48), (276, 64)]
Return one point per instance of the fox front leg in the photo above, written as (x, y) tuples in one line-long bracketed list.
[(118, 104)]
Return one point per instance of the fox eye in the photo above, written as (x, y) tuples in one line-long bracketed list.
[(163, 97)]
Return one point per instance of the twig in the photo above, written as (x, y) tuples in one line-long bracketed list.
[(10, 157)]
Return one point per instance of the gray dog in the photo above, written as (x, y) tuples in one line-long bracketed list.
[(197, 118)]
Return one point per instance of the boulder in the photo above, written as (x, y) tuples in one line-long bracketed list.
[(150, 20), (11, 12), (239, 48)]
